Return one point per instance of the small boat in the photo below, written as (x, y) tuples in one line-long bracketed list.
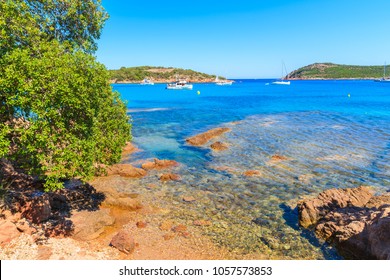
[(147, 82), (180, 84), (219, 82), (384, 79), (283, 80)]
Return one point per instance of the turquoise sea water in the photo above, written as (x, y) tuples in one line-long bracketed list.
[(333, 133)]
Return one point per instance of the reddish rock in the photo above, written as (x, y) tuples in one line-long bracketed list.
[(168, 236), (203, 138), (277, 158), (310, 211), (24, 226), (37, 210), (129, 149), (202, 223), (89, 225), (188, 198), (126, 170), (252, 173), (185, 234), (352, 220), (123, 241), (141, 224), (166, 225), (8, 231), (219, 146), (169, 177), (159, 164), (179, 228)]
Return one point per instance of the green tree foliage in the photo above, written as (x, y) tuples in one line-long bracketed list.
[(58, 116)]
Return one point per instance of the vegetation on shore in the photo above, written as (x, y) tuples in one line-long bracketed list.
[(59, 118), (336, 71), (157, 74)]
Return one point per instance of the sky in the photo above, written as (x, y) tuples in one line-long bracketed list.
[(244, 38)]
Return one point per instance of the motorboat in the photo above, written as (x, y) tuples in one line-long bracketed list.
[(180, 84), (147, 82)]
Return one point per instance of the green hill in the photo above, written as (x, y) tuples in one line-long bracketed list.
[(158, 74), (336, 71)]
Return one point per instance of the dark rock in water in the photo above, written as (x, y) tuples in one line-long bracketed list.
[(261, 222), (357, 223), (123, 241)]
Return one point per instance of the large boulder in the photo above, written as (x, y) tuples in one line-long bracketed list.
[(357, 223), (311, 210), (203, 138)]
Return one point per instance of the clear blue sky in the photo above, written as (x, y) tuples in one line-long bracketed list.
[(245, 38)]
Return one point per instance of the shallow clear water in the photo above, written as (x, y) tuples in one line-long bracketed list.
[(331, 133)]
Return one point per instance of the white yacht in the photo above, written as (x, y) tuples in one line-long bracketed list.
[(180, 84), (219, 82), (147, 82)]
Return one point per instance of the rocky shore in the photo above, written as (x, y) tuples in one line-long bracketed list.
[(354, 220), (107, 219), (95, 221)]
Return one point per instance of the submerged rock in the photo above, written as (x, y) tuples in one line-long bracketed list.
[(203, 138), (252, 173), (219, 146), (356, 222), (159, 164), (169, 177)]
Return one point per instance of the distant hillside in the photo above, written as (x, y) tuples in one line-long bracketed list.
[(336, 71), (158, 74)]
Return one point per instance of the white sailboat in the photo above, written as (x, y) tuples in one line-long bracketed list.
[(384, 79), (282, 80)]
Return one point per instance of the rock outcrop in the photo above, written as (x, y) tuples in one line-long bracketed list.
[(310, 211), (203, 138), (354, 220), (126, 170)]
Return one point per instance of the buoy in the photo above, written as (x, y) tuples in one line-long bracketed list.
[(349, 95), (198, 92)]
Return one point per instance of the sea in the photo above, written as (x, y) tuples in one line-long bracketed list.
[(330, 134)]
